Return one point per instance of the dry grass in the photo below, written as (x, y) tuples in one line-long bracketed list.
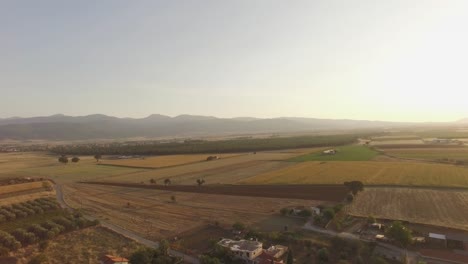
[(435, 207), (163, 161), (229, 170), (369, 172), (6, 189), (152, 213), (83, 246)]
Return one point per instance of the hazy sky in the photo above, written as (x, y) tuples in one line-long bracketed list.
[(389, 60)]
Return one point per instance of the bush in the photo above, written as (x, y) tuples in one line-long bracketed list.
[(323, 254), (284, 211), (305, 213), (238, 226), (329, 213), (9, 241), (39, 259)]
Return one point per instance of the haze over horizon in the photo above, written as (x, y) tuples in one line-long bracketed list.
[(365, 60)]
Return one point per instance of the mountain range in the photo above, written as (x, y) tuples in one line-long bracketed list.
[(62, 127)]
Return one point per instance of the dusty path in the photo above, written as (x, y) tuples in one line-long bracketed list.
[(127, 233)]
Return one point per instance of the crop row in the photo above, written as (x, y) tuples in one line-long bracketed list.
[(41, 232), (25, 209)]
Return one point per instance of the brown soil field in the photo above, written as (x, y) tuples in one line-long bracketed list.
[(332, 193), (163, 161), (425, 206), (229, 170), (154, 215), (82, 246)]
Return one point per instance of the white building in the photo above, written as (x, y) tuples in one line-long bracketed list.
[(247, 250)]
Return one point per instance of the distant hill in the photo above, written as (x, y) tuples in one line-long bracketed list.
[(62, 127)]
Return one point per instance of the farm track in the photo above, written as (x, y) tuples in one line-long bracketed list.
[(333, 193)]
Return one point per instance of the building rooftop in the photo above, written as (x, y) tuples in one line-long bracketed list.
[(113, 259), (245, 245), (437, 236)]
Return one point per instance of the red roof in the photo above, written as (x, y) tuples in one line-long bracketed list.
[(108, 259), (444, 255), (266, 258)]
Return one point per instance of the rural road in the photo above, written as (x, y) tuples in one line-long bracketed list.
[(387, 249), (125, 232)]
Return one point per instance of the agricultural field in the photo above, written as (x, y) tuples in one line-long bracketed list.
[(222, 171), (447, 208), (16, 193), (346, 153), (82, 246), (435, 154), (41, 165), (155, 162), (369, 172), (154, 215)]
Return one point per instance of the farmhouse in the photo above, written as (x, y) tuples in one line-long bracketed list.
[(329, 152), (108, 259), (246, 250), (252, 252)]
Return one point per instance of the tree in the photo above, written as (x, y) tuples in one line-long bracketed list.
[(355, 186), (400, 233), (349, 197), (164, 247), (173, 198), (371, 219), (329, 213), (284, 211), (75, 159), (153, 181), (167, 182), (290, 259), (305, 213), (238, 226), (97, 157), (323, 254), (63, 159), (200, 182)]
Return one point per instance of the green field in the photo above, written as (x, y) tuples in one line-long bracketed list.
[(346, 153)]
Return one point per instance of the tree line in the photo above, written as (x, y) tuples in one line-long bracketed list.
[(201, 146)]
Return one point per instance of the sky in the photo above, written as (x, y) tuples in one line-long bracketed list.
[(361, 59)]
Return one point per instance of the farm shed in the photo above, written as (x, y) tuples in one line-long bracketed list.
[(438, 239)]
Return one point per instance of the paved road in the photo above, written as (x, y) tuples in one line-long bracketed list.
[(388, 250), (125, 232)]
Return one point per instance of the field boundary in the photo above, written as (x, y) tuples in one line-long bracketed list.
[(164, 167)]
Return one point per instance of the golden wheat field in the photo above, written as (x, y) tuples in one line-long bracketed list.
[(163, 161), (446, 208), (7, 189), (369, 172)]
